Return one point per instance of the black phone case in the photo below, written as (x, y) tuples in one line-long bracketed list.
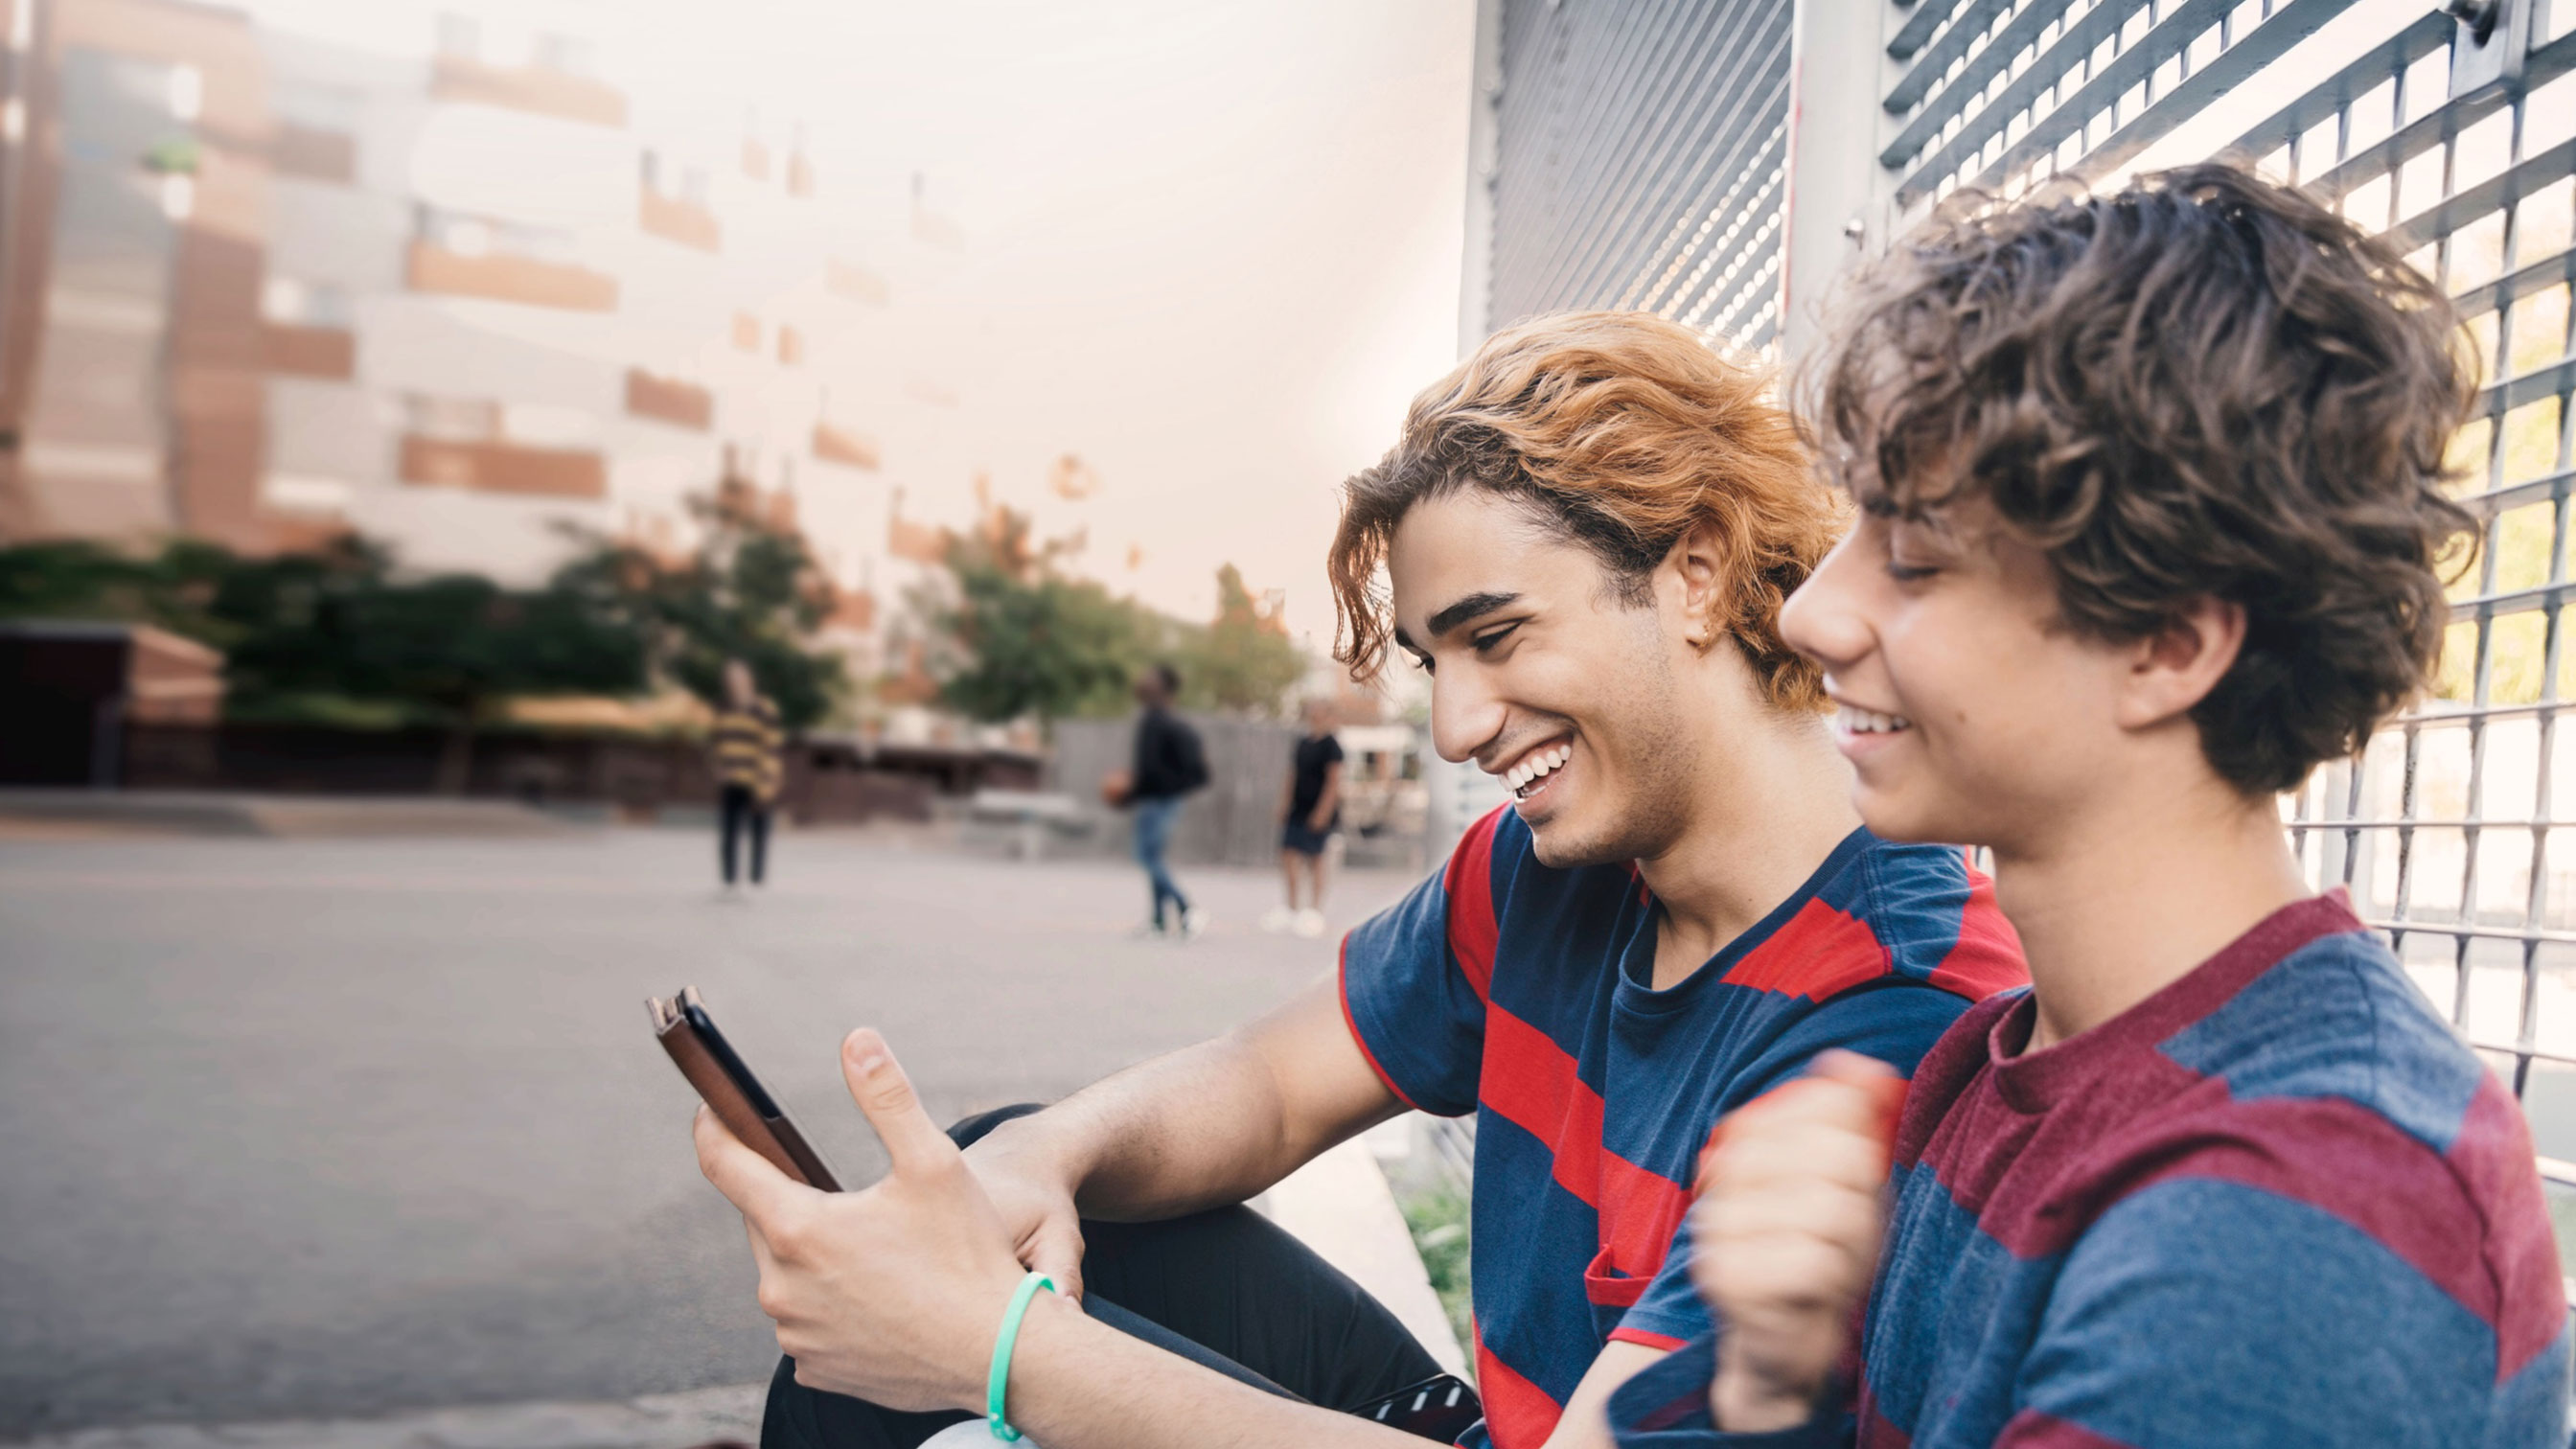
[(1441, 1408)]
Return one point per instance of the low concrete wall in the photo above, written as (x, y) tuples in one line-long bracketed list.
[(1234, 821), (634, 777)]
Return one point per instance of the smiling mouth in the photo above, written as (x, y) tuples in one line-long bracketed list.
[(1535, 769), (1853, 720)]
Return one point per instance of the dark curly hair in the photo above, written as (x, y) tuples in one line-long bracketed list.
[(2202, 386)]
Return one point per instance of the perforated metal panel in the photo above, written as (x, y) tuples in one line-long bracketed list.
[(1640, 161)]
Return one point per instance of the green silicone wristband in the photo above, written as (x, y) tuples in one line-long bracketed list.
[(998, 1381)]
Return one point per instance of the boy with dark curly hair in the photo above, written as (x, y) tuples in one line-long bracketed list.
[(2153, 520)]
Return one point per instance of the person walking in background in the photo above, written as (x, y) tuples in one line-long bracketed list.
[(1310, 806), (1169, 764), (745, 748)]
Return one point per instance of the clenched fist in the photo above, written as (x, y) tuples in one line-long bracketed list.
[(1786, 1234)]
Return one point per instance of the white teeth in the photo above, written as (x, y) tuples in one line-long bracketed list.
[(1855, 720), (1536, 767)]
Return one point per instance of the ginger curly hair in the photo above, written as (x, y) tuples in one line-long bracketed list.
[(1627, 433)]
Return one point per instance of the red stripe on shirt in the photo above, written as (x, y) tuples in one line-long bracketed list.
[(2340, 1157), (1987, 956), (2031, 1429), (1651, 1340), (1816, 953), (1640, 1211), (1529, 1081), (1518, 1413), (2492, 1154), (1359, 1038), (1470, 886)]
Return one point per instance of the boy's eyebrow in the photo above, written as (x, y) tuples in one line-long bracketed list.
[(1470, 607)]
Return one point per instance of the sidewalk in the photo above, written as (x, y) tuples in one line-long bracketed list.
[(71, 814), (1339, 1204)]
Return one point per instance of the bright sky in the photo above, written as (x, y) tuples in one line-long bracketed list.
[(1212, 248)]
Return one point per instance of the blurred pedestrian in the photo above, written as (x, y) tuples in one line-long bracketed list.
[(1170, 763), (744, 746), (1310, 808)]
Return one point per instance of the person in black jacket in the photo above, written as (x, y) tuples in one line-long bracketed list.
[(1169, 765)]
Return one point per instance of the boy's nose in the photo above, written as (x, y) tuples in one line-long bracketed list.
[(1819, 620), (1464, 715)]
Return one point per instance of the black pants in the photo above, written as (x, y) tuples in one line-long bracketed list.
[(740, 808), (1226, 1289)]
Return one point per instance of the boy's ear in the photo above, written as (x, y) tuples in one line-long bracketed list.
[(1699, 566), (2176, 667)]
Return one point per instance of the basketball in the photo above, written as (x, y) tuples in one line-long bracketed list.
[(1114, 787)]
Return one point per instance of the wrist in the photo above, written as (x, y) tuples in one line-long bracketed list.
[(1743, 1400), (1040, 1324), (1032, 1150)]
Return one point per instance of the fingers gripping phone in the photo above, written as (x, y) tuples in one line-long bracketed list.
[(738, 1099)]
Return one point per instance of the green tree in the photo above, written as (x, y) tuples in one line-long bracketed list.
[(1032, 641), (751, 591), (1243, 661), (334, 633), (456, 645)]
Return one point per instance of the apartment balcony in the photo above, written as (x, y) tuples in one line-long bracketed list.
[(327, 353), (671, 218), (852, 282), (505, 278), (854, 610), (835, 445), (497, 467), (919, 542), (533, 89), (312, 154), (669, 400)]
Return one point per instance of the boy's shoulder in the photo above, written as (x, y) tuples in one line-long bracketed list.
[(1933, 914), (2337, 1020), (2328, 1086)]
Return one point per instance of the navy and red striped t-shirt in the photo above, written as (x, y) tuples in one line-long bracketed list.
[(1525, 995), (2279, 1203)]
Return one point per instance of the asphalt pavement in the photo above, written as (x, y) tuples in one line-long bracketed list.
[(322, 1129)]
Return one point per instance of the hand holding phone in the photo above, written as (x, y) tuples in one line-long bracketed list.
[(727, 1086)]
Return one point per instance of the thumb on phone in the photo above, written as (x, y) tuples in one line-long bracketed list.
[(884, 1094)]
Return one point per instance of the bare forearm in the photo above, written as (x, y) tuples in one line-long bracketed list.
[(1166, 1137), (1209, 1124), (1078, 1384)]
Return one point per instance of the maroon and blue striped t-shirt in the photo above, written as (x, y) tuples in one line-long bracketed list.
[(1525, 995), (2278, 1203)]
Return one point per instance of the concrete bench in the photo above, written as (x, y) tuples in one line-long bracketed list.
[(1029, 816)]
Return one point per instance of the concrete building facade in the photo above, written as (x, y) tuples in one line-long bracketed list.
[(471, 296)]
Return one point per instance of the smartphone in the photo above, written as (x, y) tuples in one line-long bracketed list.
[(727, 1085), (1440, 1408)]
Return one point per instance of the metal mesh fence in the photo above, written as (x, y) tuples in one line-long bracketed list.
[(1642, 162)]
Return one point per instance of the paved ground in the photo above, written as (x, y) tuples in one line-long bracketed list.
[(318, 1129)]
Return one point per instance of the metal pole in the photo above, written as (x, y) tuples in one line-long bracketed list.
[(1484, 149), (1838, 203)]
